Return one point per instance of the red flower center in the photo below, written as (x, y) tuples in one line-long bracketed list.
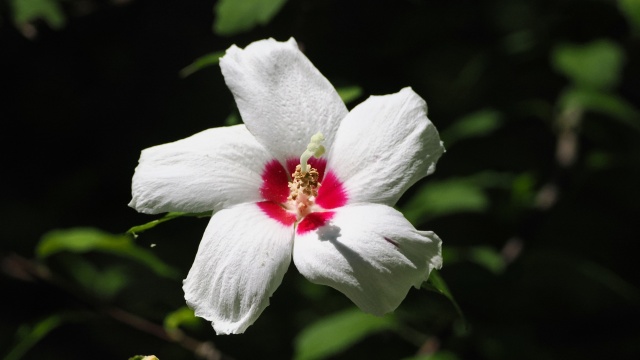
[(275, 191)]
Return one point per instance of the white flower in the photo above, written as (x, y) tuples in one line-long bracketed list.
[(342, 232)]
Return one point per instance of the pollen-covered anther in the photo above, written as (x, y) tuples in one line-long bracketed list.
[(303, 187)]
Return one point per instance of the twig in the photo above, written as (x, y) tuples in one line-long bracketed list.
[(24, 269)]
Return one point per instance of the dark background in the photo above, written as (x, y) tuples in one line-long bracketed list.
[(80, 103)]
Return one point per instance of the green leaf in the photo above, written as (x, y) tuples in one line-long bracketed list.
[(485, 256), (602, 102), (437, 284), (236, 16), (183, 316), (631, 8), (232, 119), (596, 65), (105, 284), (523, 190), (477, 124), (460, 194), (349, 93), (488, 258), (337, 332), (202, 62), (313, 292), (82, 240), (25, 11), (169, 216), (445, 197), (31, 335)]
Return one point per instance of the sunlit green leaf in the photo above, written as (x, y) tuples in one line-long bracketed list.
[(169, 216), (202, 62), (183, 316), (604, 103), (143, 357), (631, 8), (437, 284), (337, 332), (235, 16), (82, 240), (477, 124), (28, 336), (455, 195), (25, 11), (445, 197), (596, 65), (349, 93)]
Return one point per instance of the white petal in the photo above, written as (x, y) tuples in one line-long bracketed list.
[(282, 97), (369, 252), (384, 146), (210, 170), (241, 261)]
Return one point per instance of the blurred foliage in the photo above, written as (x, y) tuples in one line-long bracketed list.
[(82, 240), (455, 195), (610, 105), (484, 256), (535, 199), (337, 332), (595, 65), (437, 284), (348, 94), (180, 317), (202, 62), (29, 335), (235, 16), (27, 11), (631, 9), (478, 124), (135, 230)]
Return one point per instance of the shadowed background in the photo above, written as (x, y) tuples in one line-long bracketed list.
[(536, 199)]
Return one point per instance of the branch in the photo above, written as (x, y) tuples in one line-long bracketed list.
[(24, 269)]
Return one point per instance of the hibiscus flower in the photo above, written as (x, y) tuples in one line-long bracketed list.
[(275, 198)]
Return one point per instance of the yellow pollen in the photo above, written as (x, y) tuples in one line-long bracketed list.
[(303, 190), (303, 183)]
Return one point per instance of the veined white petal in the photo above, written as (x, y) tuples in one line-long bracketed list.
[(210, 170), (241, 261), (384, 146), (369, 252), (282, 97)]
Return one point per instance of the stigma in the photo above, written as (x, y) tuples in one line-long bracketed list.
[(314, 148)]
